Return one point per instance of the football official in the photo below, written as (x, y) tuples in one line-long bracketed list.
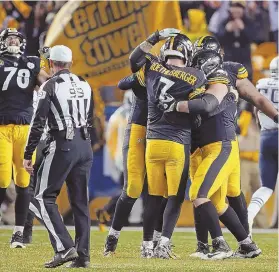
[(66, 105)]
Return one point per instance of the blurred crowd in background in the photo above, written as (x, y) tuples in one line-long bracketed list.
[(244, 28), (247, 31)]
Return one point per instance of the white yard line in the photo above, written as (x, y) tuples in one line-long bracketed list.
[(3, 227)]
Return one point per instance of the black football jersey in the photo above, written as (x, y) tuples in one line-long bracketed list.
[(17, 82), (218, 125), (235, 71), (138, 114), (160, 79)]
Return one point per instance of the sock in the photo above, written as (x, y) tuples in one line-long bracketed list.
[(258, 200), (114, 233), (208, 215), (245, 241), (171, 214), (164, 240), (159, 223), (231, 221), (156, 235), (18, 228), (123, 209), (2, 195), (240, 207), (21, 205), (150, 214), (201, 229)]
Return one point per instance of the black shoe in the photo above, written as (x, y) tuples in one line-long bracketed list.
[(78, 263), (221, 250), (202, 250), (110, 246), (17, 240), (250, 250), (62, 257)]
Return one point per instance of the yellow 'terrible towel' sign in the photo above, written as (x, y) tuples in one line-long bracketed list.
[(102, 34)]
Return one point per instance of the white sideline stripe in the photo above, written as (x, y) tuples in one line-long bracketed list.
[(33, 209), (187, 230), (39, 196)]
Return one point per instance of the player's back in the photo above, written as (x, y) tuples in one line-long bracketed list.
[(268, 87), (17, 83), (218, 125), (179, 82)]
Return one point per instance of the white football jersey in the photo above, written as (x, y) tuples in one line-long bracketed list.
[(269, 88)]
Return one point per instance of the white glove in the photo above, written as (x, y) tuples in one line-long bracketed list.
[(168, 32)]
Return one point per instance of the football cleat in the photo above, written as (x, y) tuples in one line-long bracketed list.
[(78, 264), (17, 240), (110, 246), (163, 251), (147, 250), (62, 257), (202, 250), (250, 250), (221, 250)]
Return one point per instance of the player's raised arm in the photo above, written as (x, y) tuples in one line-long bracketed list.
[(137, 57), (249, 93)]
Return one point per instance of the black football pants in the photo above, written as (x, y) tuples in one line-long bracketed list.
[(70, 161)]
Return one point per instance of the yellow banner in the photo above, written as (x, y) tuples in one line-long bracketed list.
[(102, 34)]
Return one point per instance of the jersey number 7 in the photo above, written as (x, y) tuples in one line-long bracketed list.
[(167, 85)]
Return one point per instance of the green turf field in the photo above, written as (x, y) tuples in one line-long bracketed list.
[(127, 258)]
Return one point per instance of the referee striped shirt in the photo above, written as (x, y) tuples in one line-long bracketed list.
[(65, 100)]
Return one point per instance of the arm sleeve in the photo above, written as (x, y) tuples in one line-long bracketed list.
[(203, 105), (127, 83), (39, 119), (228, 100)]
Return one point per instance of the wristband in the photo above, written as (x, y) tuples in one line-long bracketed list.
[(153, 38), (275, 118)]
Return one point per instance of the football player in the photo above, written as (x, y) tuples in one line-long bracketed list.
[(168, 134), (215, 138), (268, 144), (238, 76), (133, 159), (19, 77)]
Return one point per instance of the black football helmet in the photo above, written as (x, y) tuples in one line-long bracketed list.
[(179, 46), (12, 49), (207, 60), (207, 43)]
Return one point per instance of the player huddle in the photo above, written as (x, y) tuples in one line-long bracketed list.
[(183, 123)]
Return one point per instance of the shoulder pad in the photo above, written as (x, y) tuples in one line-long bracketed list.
[(219, 76), (262, 82)]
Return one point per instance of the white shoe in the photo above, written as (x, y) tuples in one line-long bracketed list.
[(146, 250)]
